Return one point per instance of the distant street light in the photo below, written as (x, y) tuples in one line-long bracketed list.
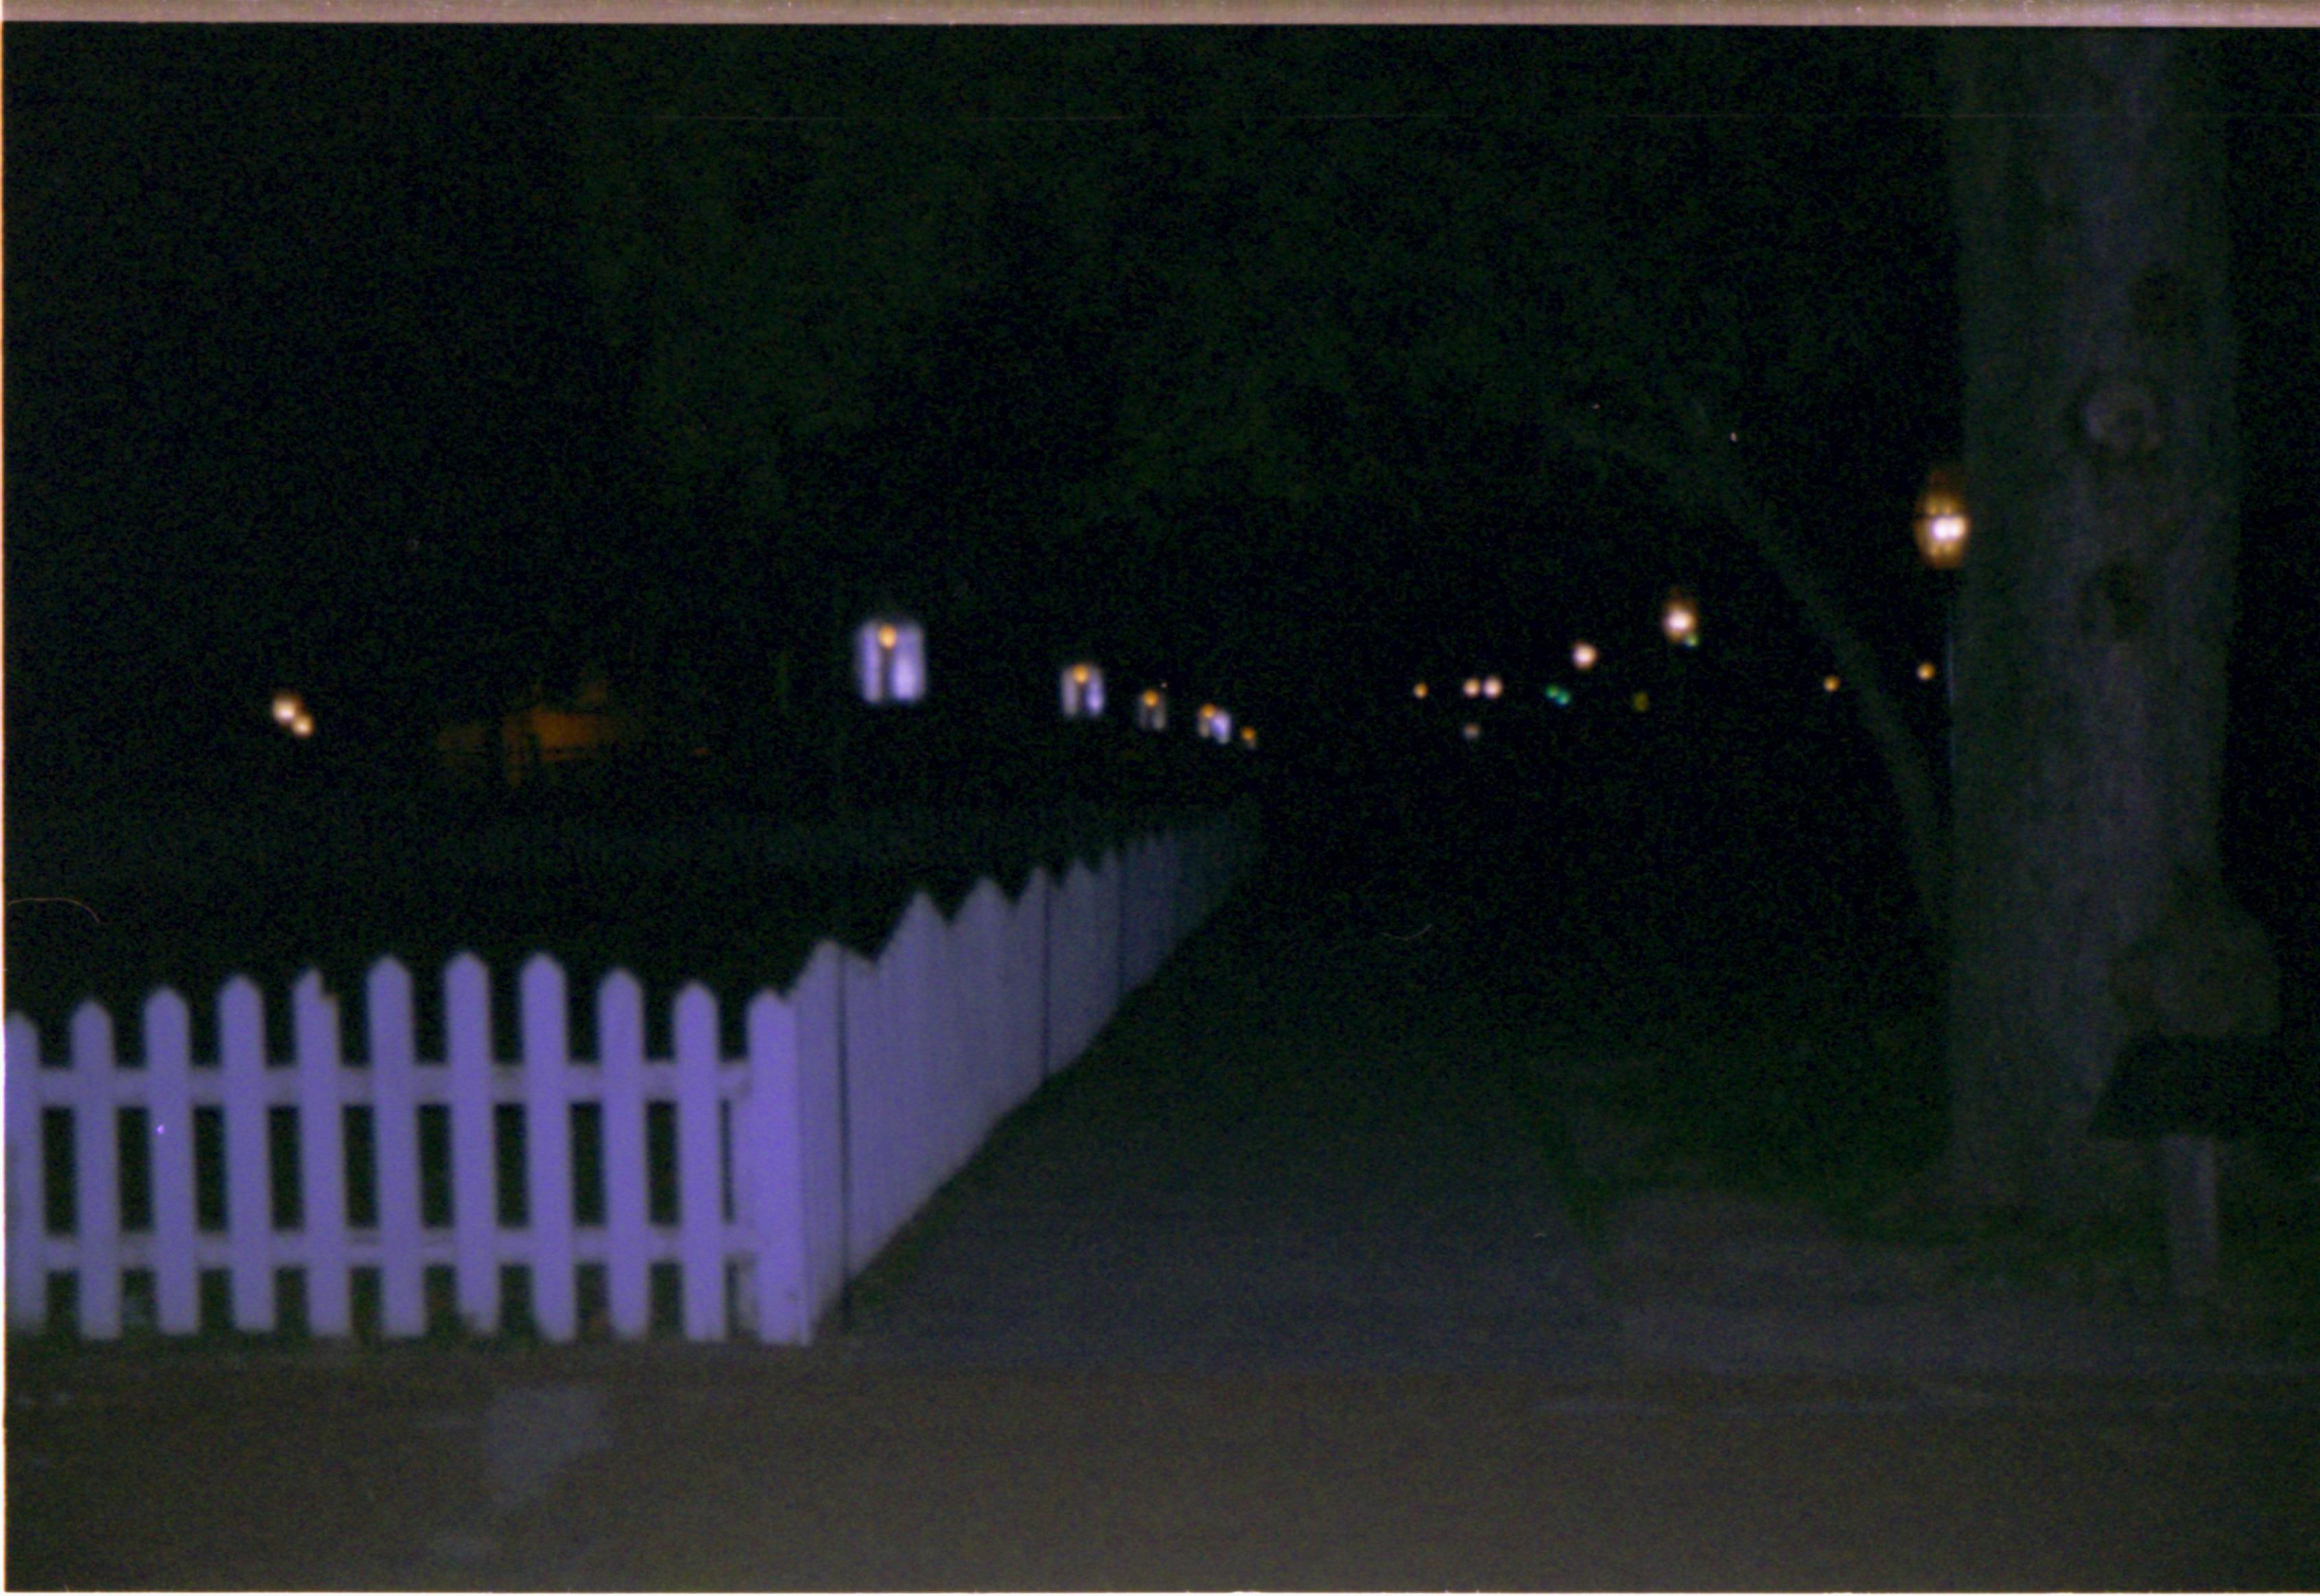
[(1248, 737), (1471, 732), (1926, 672), (1152, 710), (1083, 692), (1943, 527), (890, 661), (1216, 724), (290, 713), (1943, 524), (1418, 691), (1492, 686), (1679, 619), (1583, 655), (1472, 687), (1831, 682)]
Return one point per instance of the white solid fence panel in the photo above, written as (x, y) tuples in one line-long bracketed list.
[(822, 1127), (859, 1094), (771, 1190)]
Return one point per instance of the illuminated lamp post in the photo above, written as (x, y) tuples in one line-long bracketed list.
[(890, 661), (1083, 692), (1943, 527)]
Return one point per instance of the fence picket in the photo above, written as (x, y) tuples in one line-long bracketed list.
[(27, 1181), (620, 1055), (170, 1138), (95, 1150), (474, 1152), (700, 1200), (321, 1157), (394, 1121), (248, 1185), (548, 1145)]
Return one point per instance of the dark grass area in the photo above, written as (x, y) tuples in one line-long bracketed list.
[(734, 900)]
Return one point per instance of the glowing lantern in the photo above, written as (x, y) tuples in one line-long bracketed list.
[(1152, 710), (1926, 672), (1679, 619), (1943, 524), (1083, 692), (1492, 686), (1216, 724), (890, 661), (1831, 683), (301, 724), (1583, 655), (1472, 687), (1418, 691)]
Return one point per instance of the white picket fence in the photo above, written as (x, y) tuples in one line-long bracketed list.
[(859, 1093)]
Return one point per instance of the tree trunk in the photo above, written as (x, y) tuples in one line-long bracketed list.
[(2088, 182)]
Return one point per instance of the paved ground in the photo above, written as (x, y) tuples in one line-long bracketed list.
[(1275, 1291), (1279, 1160)]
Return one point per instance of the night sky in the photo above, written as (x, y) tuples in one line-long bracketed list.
[(408, 366)]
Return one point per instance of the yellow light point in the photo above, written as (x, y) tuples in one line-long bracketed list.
[(1681, 619), (301, 724), (287, 708), (1418, 691), (1151, 698), (885, 636), (1472, 687), (1924, 670), (1943, 523), (1831, 683), (1079, 675), (1492, 686), (1583, 655), (1642, 701), (1248, 735)]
